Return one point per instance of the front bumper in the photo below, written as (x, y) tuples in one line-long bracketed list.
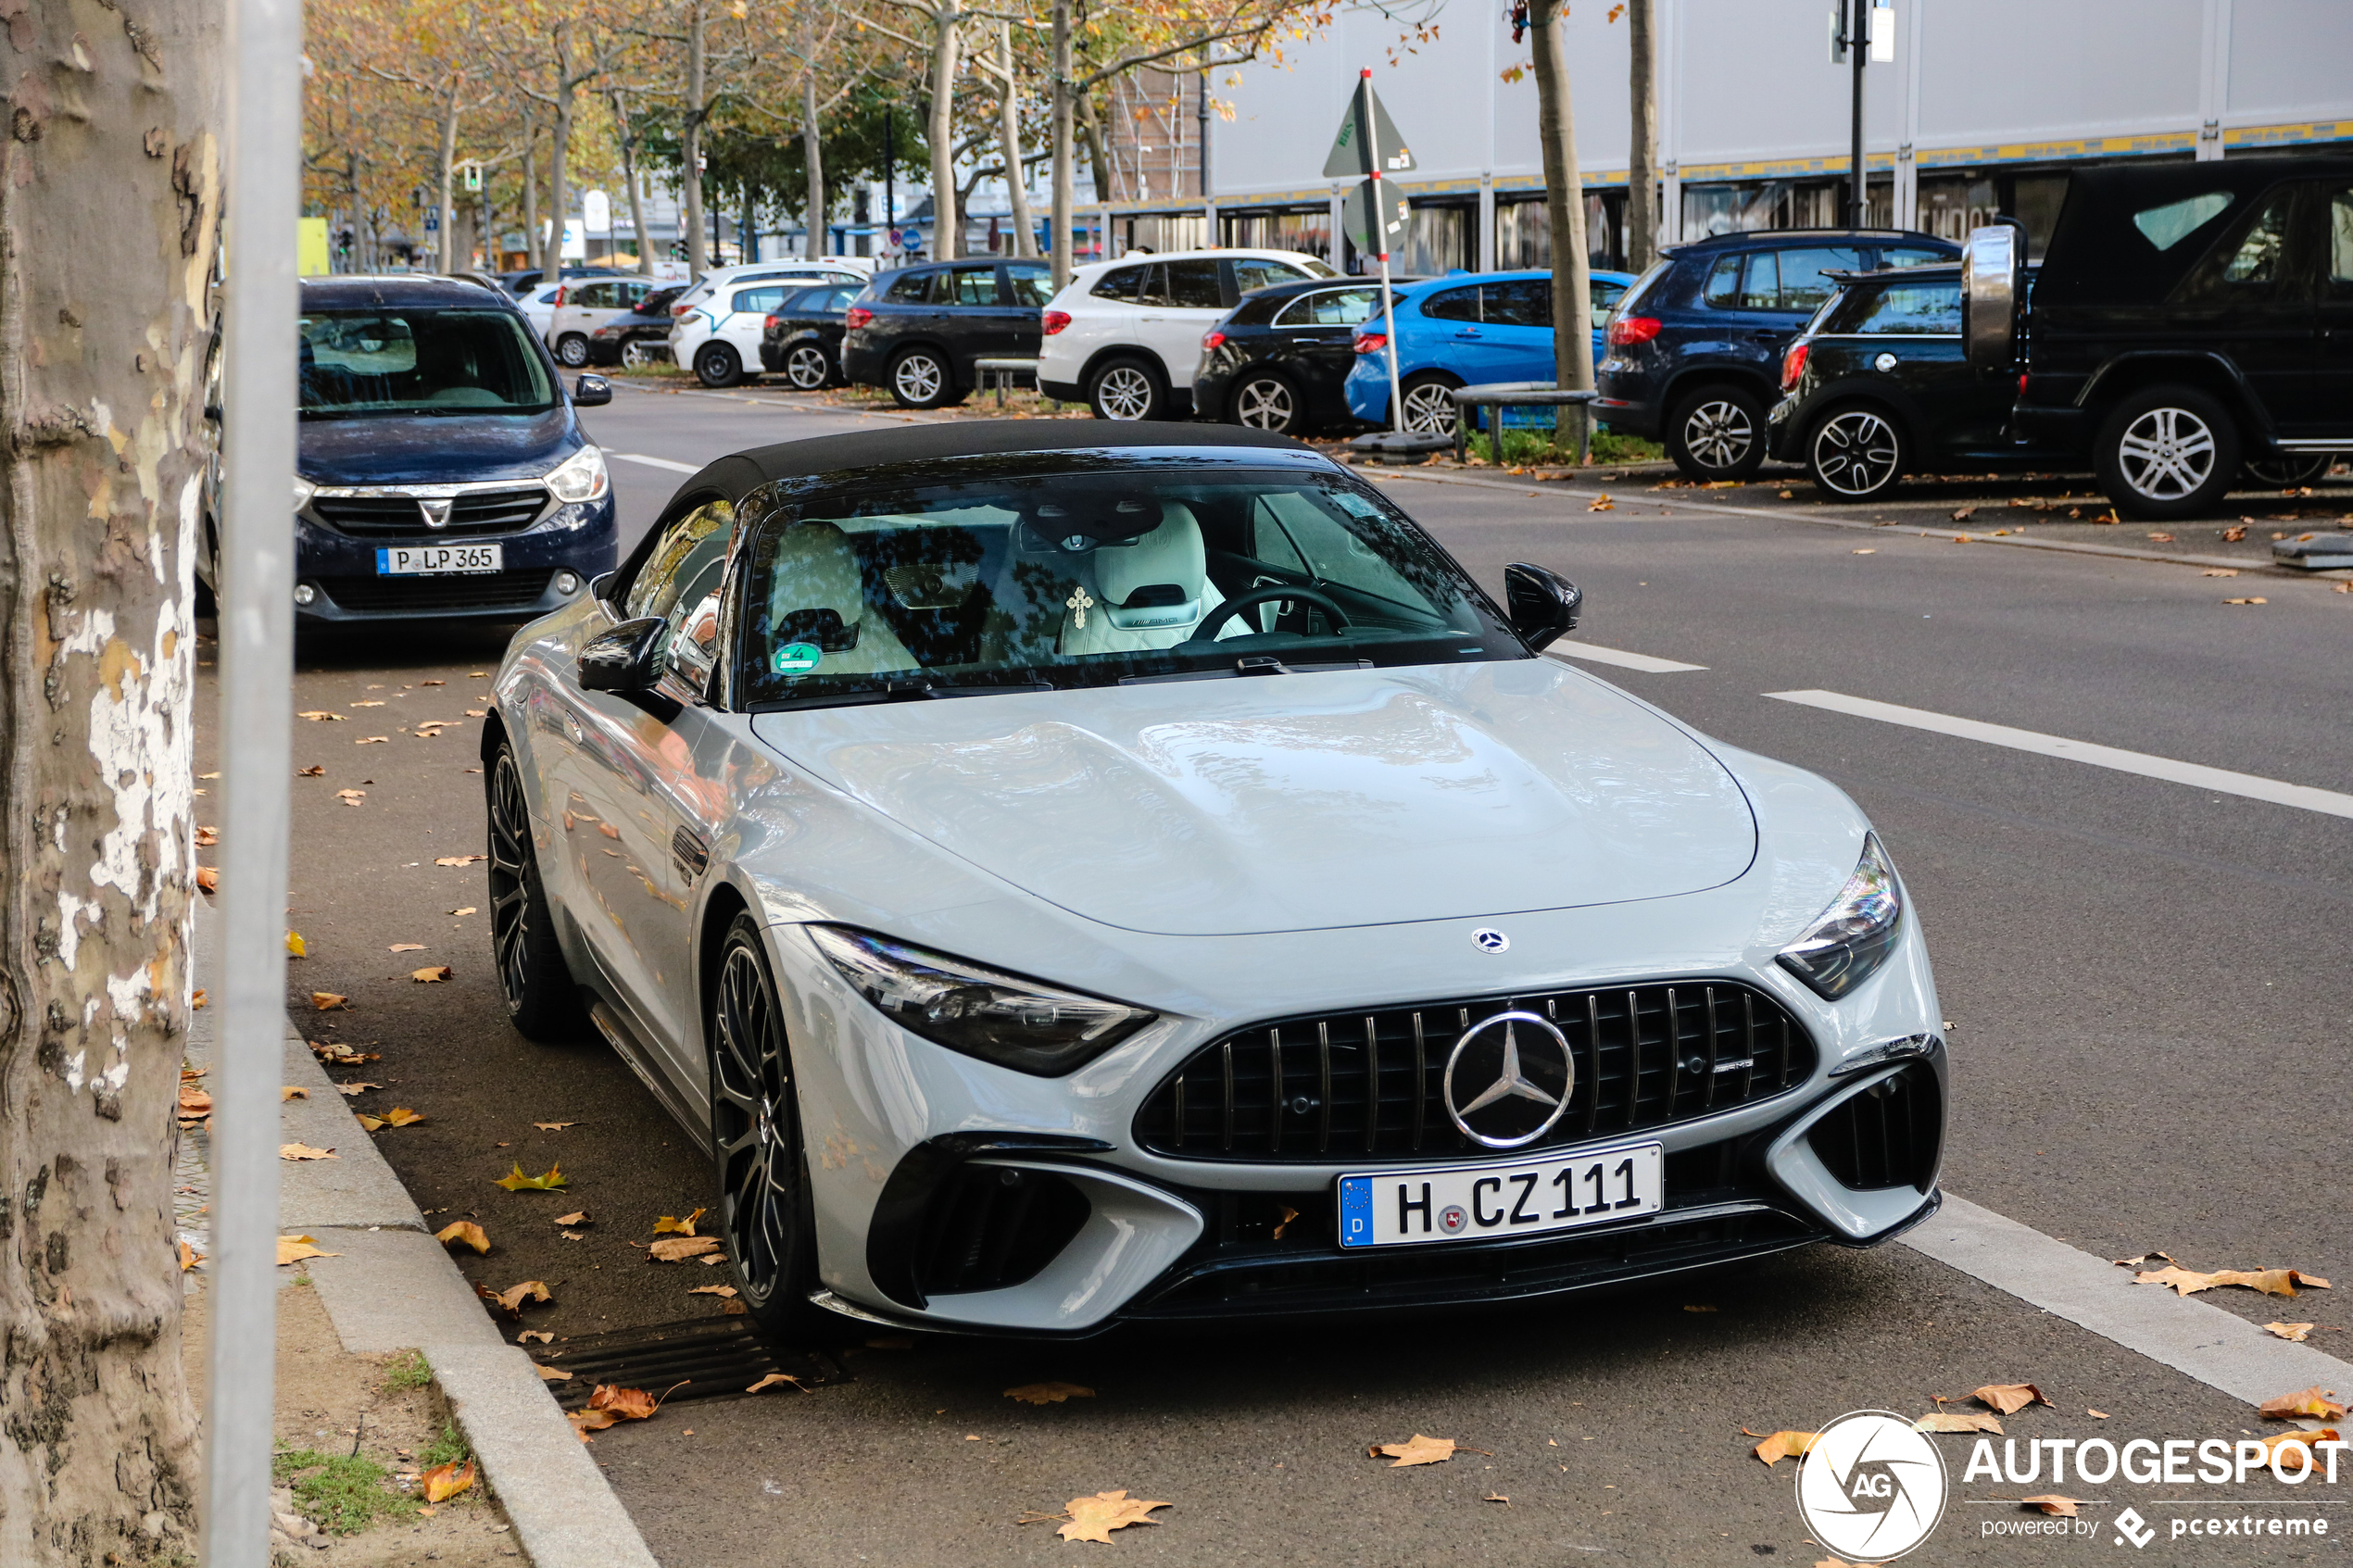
[(1149, 1235), (340, 571)]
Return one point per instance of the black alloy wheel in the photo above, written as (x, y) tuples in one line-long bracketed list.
[(1854, 453), (1430, 404), (758, 1155), (716, 365), (1266, 401), (1127, 389), (2168, 452), (543, 1000), (1716, 433), (2288, 471), (572, 351), (808, 368)]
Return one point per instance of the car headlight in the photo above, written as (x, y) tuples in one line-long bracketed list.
[(1856, 933), (1014, 1022), (304, 490), (580, 477)]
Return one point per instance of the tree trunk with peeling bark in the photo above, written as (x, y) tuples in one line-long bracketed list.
[(946, 227), (1009, 122), (102, 389), (1565, 205), (451, 108), (1641, 167), (814, 156), (690, 145)]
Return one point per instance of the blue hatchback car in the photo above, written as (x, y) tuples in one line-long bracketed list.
[(441, 472), (1465, 330)]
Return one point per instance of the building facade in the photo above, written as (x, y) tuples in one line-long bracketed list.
[(1980, 107)]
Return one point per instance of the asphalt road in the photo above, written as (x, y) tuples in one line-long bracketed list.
[(2149, 1026)]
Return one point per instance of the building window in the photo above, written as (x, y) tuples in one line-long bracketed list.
[(1524, 231), (1310, 233), (1436, 241)]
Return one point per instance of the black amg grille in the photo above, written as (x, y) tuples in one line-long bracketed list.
[(991, 1226), (1887, 1136), (1368, 1086), (426, 596), (389, 517)]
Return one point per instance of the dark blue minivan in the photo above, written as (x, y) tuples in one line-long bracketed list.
[(442, 471)]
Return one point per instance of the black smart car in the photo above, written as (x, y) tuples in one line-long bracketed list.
[(917, 331), (801, 340), (1280, 359), (1879, 385), (639, 336), (1696, 345)]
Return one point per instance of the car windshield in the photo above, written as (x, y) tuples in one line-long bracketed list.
[(1067, 579), (357, 363)]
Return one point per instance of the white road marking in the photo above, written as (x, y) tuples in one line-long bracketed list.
[(2198, 776), (1618, 657), (657, 462), (2221, 1349)]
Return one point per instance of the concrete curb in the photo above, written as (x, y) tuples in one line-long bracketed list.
[(393, 1288)]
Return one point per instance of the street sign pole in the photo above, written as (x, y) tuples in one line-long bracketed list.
[(1381, 231)]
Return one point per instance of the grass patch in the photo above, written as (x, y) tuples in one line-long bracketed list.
[(345, 1493), (408, 1371), (1536, 448), (448, 1448)]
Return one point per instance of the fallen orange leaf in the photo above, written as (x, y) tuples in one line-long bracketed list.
[(775, 1377), (2273, 1445), (1049, 1393), (1093, 1519), (2008, 1399), (528, 1334), (446, 1481), (303, 1151), (465, 1233), (550, 1374), (458, 860), (295, 1249), (429, 976), (328, 1001), (189, 1257), (577, 1217), (678, 1249), (515, 1181), (292, 1091), (585, 1422), (354, 1089), (2322, 1403), (514, 1297), (1778, 1445), (2270, 1282), (209, 878), (401, 1116), (723, 1291), (2298, 1332), (207, 837), (408, 946), (2052, 1503), (628, 1404), (295, 947), (683, 1227), (1420, 1450), (1965, 1421), (559, 1126)]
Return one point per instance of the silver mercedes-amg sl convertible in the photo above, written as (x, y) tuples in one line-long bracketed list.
[(1070, 873)]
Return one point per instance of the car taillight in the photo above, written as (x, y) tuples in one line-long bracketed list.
[(1370, 342), (2021, 383), (1793, 366), (1051, 322), (1210, 340), (769, 325), (681, 309), (858, 316), (1628, 330)]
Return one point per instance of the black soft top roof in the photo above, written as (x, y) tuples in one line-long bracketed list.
[(967, 438), (2098, 256)]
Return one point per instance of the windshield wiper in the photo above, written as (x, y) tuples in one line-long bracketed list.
[(896, 691)]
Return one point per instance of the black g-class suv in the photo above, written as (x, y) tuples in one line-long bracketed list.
[(2188, 320), (1694, 351)]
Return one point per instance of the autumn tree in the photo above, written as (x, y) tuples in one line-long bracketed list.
[(1565, 206), (1642, 164), (109, 204)]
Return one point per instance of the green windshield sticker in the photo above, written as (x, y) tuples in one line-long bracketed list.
[(798, 658)]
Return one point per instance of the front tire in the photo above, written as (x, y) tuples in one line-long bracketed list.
[(1268, 402), (1428, 400), (1854, 453), (1127, 390), (808, 368), (543, 1000), (716, 365), (920, 378), (1718, 432), (2168, 452), (572, 351), (760, 1160)]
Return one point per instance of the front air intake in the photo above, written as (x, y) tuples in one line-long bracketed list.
[(1888, 1136), (989, 1226)]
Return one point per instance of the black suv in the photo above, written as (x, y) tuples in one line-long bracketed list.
[(1695, 348), (2189, 321), (917, 331)]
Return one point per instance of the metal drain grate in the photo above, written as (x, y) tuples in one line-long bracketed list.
[(707, 1359)]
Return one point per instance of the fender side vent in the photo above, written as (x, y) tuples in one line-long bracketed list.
[(1887, 1136), (989, 1226)]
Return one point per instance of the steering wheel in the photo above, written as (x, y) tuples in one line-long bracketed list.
[(1240, 602)]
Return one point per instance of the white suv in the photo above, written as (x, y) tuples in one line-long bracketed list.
[(1124, 337), (715, 326)]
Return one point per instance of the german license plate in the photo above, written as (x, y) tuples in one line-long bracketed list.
[(1500, 1198), (438, 561)]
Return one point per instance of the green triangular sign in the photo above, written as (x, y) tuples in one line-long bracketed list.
[(1363, 130)]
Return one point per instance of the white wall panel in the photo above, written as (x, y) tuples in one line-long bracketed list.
[(2290, 60), (2015, 71)]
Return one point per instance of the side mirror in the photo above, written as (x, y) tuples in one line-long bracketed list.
[(627, 659), (1992, 263), (590, 392), (1542, 604)]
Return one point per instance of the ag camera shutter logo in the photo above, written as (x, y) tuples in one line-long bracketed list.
[(1871, 1488)]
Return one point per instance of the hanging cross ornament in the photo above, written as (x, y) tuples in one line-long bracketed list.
[(1079, 601)]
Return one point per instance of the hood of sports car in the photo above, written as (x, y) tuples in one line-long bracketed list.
[(1298, 802)]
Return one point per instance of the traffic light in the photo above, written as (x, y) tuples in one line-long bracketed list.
[(473, 177), (677, 250), (345, 241)]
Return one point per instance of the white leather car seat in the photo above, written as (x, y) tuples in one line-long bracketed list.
[(817, 569), (1097, 618)]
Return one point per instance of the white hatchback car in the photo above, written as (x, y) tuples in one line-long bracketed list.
[(1124, 337), (716, 325)]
